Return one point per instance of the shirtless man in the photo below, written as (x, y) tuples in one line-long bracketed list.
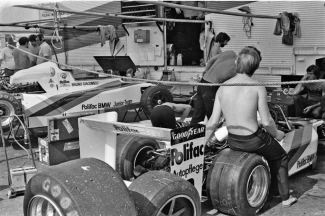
[(239, 105)]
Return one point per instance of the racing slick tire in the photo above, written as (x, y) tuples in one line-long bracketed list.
[(82, 187), (238, 182), (161, 193), (153, 96), (130, 152), (9, 106)]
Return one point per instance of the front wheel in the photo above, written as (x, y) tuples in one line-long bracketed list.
[(238, 182), (9, 106)]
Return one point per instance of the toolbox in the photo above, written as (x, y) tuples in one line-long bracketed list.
[(62, 143), (56, 152)]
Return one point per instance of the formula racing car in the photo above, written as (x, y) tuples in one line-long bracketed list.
[(163, 166), (45, 90)]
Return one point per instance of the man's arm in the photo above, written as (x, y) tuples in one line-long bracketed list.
[(214, 119), (210, 63), (185, 108), (266, 119), (299, 88)]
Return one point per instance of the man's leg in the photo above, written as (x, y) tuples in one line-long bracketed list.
[(199, 109), (208, 98), (300, 105)]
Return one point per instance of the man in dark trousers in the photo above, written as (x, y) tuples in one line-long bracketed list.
[(219, 69), (239, 106)]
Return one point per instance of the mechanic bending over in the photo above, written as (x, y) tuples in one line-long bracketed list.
[(163, 115), (311, 105), (239, 105), (219, 69)]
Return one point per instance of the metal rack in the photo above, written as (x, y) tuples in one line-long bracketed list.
[(19, 177)]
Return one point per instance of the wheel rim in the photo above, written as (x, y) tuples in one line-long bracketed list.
[(6, 109), (41, 205), (141, 155), (257, 186), (159, 98), (177, 206)]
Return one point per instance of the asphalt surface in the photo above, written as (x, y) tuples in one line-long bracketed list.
[(308, 186)]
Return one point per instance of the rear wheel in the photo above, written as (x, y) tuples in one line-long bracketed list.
[(9, 106), (159, 193), (155, 95), (131, 152), (238, 182)]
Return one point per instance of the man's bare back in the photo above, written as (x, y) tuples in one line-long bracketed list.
[(241, 116)]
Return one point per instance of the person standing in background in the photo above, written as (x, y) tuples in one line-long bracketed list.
[(219, 41), (219, 69), (34, 48), (22, 60), (45, 50), (7, 57)]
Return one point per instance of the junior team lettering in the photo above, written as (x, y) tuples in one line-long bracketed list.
[(188, 133), (189, 152)]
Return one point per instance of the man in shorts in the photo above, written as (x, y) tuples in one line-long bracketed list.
[(239, 105)]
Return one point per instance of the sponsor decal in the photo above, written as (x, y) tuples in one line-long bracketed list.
[(189, 152), (187, 133), (67, 125), (121, 103), (71, 146), (191, 169), (88, 106), (63, 76), (46, 184), (52, 71), (77, 84), (125, 129), (64, 83), (55, 135), (56, 190), (105, 105), (306, 160), (65, 202), (91, 83)]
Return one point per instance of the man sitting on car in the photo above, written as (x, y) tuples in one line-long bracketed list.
[(239, 105)]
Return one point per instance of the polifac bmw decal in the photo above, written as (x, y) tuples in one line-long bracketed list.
[(58, 104), (298, 140)]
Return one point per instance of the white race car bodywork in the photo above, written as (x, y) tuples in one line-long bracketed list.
[(65, 95)]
